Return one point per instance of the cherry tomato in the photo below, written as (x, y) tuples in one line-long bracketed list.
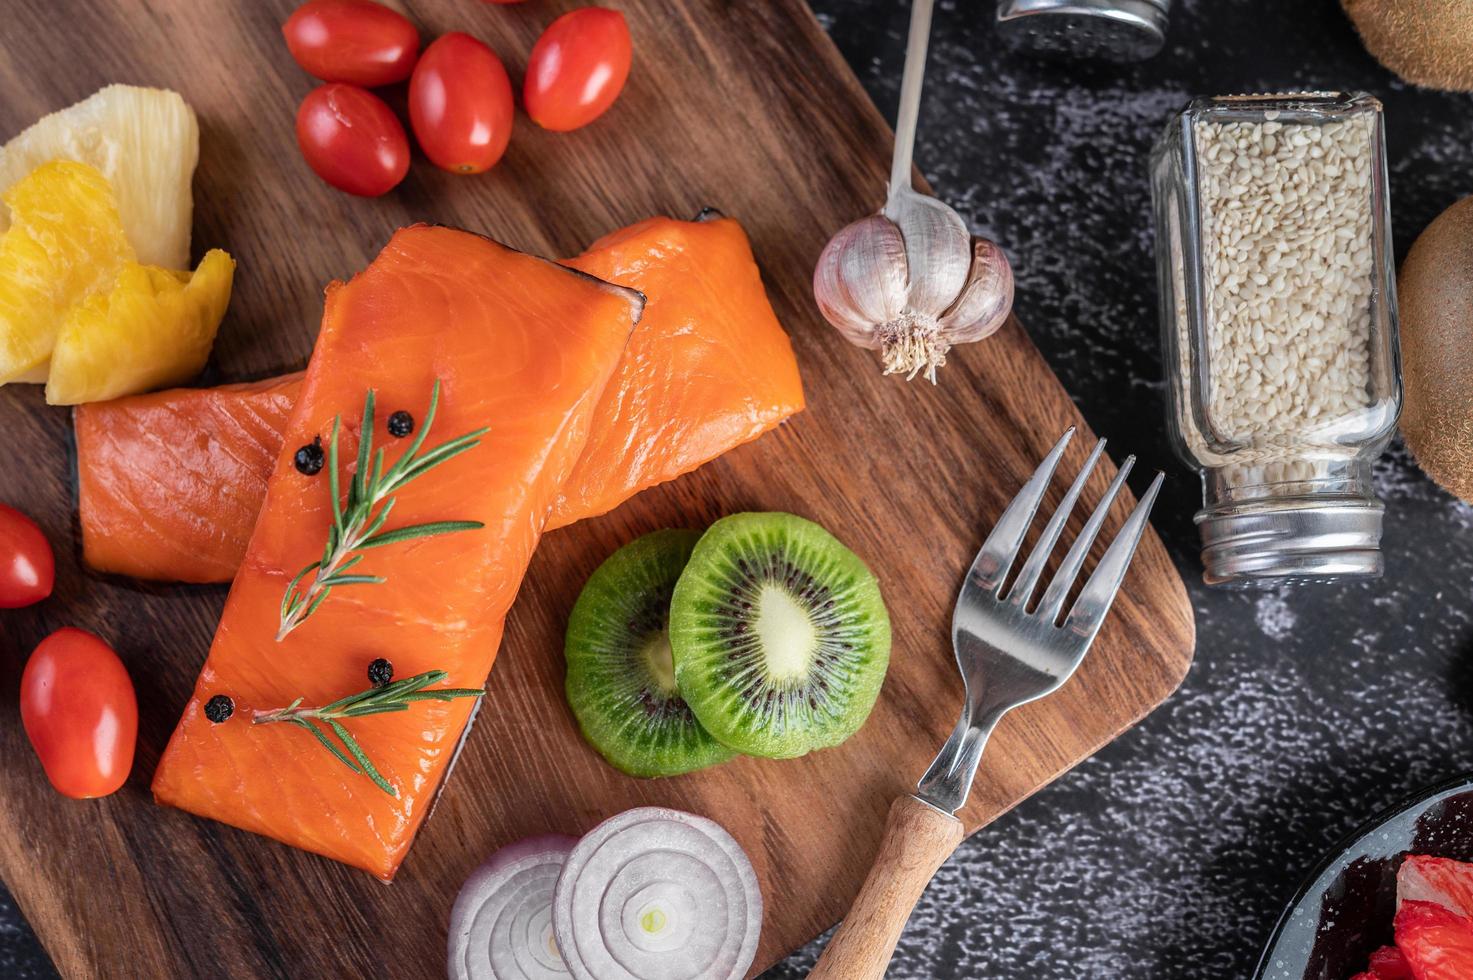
[(27, 568), (355, 41), (79, 711), (460, 104), (577, 69), (352, 139)]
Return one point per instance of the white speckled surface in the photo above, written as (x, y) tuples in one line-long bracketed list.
[(1171, 853)]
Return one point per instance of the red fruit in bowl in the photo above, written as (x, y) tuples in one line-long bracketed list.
[(1437, 942), (1442, 881)]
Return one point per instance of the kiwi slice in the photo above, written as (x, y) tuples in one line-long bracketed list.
[(621, 681), (780, 636)]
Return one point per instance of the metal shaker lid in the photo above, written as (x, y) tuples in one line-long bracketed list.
[(1116, 30), (1289, 541)]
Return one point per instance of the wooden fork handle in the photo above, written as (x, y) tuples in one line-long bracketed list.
[(918, 838)]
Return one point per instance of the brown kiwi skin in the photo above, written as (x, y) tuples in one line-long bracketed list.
[(1425, 42), (1435, 296)]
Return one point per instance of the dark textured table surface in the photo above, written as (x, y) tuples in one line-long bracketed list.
[(1171, 853)]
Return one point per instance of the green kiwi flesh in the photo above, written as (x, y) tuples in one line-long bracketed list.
[(780, 636), (621, 679)]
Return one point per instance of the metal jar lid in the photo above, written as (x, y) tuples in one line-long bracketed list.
[(1289, 541), (1116, 30)]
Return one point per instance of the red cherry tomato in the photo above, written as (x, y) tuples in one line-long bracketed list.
[(577, 69), (79, 711), (460, 104), (27, 568), (355, 41), (352, 139)]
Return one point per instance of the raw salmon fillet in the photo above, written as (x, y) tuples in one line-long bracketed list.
[(165, 479), (708, 368), (518, 344)]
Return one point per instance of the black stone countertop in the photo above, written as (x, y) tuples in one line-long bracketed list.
[(1171, 853)]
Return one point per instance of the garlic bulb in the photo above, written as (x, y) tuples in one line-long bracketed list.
[(911, 282)]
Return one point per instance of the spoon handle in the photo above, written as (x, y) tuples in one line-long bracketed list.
[(910, 95)]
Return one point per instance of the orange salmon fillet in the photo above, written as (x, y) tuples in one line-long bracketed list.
[(708, 368), (164, 479), (518, 344)]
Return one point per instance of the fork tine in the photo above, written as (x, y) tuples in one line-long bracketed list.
[(1052, 602), (1022, 589), (1099, 592), (1000, 549)]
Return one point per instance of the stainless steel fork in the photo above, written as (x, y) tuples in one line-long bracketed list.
[(1011, 650)]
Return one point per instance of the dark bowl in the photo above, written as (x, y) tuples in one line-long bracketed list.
[(1343, 911)]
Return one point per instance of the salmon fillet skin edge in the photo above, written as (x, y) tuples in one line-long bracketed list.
[(520, 345), (708, 368)]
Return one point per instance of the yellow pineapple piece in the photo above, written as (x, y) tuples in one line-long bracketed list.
[(153, 328), (64, 243), (145, 141)]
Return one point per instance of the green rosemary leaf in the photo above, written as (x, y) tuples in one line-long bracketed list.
[(327, 742), (365, 451), (378, 473), (433, 458), (335, 580), (321, 598), (413, 531), (375, 525), (420, 436), (343, 566), (373, 709), (303, 574), (356, 751), (332, 475), (445, 694)]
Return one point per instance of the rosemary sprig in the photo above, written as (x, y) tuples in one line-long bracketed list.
[(397, 696), (357, 523)]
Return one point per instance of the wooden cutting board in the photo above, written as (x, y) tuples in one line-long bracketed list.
[(744, 105)]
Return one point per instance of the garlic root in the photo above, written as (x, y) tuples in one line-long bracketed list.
[(911, 283)]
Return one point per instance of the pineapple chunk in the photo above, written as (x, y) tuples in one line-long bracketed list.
[(145, 141), (65, 243), (153, 328)]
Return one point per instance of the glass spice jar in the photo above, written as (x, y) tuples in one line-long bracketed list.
[(1278, 314)]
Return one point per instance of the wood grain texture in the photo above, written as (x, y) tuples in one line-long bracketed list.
[(918, 838), (739, 104)]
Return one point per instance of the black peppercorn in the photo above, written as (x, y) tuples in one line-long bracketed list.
[(380, 672), (401, 424), (310, 458), (219, 708)]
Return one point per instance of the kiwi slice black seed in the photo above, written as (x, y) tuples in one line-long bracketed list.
[(621, 681), (780, 636)]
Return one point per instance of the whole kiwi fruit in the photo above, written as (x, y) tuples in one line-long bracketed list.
[(1435, 295), (1425, 42)]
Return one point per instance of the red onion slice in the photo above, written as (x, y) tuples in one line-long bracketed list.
[(657, 894), (501, 925)]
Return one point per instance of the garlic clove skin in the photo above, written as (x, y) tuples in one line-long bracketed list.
[(862, 279), (937, 248), (985, 300)]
